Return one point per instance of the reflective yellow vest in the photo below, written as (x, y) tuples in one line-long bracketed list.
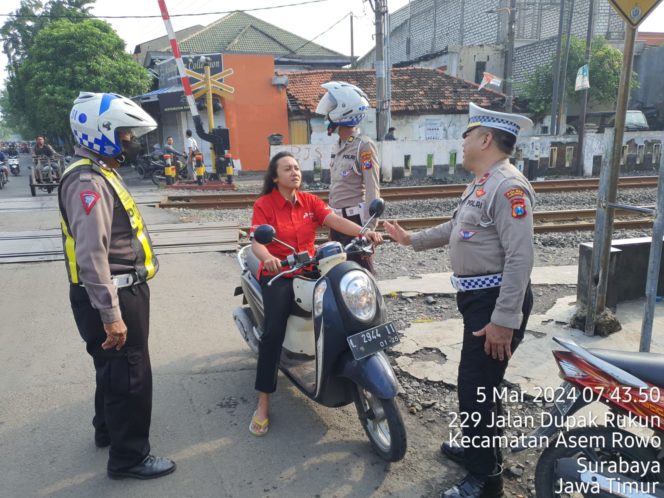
[(146, 264)]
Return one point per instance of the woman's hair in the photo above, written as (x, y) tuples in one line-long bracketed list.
[(271, 173)]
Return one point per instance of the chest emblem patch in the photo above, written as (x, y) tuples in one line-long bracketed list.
[(345, 172), (480, 192), (466, 234), (483, 180), (89, 198)]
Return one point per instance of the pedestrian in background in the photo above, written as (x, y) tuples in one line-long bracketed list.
[(390, 134), (191, 148), (491, 253), (109, 259), (354, 169)]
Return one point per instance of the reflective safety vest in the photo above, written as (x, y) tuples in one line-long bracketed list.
[(146, 264)]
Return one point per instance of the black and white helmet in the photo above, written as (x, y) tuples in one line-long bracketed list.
[(344, 104), (96, 119)]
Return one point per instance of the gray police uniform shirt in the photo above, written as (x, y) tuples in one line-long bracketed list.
[(354, 174), (103, 236), (491, 231)]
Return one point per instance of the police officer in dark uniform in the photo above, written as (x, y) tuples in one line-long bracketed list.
[(354, 168), (109, 258), (491, 253)]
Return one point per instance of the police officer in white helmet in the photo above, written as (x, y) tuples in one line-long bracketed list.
[(109, 258), (354, 168)]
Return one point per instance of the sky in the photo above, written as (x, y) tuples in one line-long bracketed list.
[(307, 21)]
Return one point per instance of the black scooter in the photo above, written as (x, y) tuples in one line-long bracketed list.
[(336, 334)]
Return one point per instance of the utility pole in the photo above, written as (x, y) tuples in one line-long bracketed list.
[(352, 43), (509, 63), (584, 93), (608, 187), (380, 11), (563, 78), (556, 73)]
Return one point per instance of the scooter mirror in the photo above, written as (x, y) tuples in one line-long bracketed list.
[(377, 207), (264, 234)]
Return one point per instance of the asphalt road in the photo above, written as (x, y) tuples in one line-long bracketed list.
[(203, 396)]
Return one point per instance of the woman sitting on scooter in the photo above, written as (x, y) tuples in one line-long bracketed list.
[(295, 216)]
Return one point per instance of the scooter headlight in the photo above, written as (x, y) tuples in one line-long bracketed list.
[(359, 295), (319, 292)]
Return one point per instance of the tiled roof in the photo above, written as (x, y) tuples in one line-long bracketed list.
[(414, 90), (650, 38), (240, 32)]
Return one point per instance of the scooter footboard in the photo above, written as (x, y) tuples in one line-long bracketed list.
[(373, 374)]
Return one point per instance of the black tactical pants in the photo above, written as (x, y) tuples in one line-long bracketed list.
[(364, 261), (479, 374), (277, 302), (123, 397)]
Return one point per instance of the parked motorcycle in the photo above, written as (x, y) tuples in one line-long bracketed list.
[(336, 334), (14, 167), (598, 457)]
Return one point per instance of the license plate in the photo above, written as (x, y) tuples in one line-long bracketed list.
[(371, 341)]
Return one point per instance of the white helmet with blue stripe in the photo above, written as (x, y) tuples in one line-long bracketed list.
[(96, 119), (344, 104)]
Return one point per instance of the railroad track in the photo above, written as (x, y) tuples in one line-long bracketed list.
[(238, 201), (545, 221)]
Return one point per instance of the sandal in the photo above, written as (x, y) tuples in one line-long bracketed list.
[(263, 426)]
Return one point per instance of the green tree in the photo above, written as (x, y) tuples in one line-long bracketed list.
[(65, 58), (604, 73), (21, 28)]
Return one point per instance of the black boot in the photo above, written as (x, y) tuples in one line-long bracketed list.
[(453, 452), (473, 486)]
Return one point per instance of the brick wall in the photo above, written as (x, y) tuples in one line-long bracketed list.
[(529, 57)]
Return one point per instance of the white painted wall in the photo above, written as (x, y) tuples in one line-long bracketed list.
[(392, 153)]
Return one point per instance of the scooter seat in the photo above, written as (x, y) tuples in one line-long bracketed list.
[(253, 263), (646, 366)]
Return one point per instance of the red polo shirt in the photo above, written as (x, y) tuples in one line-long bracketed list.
[(295, 223)]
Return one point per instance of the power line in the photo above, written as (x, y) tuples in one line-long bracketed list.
[(314, 38), (37, 16)]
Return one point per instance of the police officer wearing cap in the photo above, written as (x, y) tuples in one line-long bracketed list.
[(491, 251), (109, 258), (354, 169)]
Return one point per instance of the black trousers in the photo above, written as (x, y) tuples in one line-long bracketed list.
[(277, 303), (123, 397), (364, 261), (479, 374)]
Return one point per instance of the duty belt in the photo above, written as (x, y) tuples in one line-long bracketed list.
[(349, 211), (123, 280), (475, 283)]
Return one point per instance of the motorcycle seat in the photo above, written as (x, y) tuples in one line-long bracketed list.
[(646, 366)]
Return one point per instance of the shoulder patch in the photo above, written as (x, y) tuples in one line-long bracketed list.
[(89, 198), (366, 158), (514, 192), (518, 207)]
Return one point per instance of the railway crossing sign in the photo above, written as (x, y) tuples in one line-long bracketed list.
[(218, 87), (634, 11)]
